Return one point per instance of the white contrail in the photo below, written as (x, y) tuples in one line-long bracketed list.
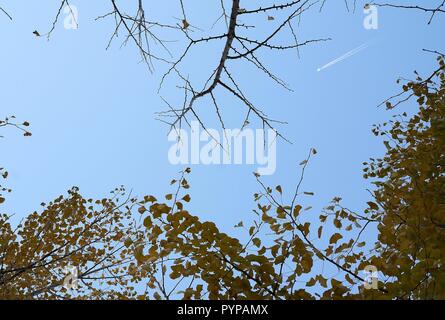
[(345, 56)]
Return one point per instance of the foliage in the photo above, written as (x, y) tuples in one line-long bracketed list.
[(207, 263), (410, 182), (69, 232)]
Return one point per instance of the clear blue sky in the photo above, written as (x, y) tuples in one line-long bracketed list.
[(92, 110)]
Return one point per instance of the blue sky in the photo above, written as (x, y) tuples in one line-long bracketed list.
[(93, 110)]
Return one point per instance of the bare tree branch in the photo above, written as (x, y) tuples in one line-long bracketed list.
[(440, 8)]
